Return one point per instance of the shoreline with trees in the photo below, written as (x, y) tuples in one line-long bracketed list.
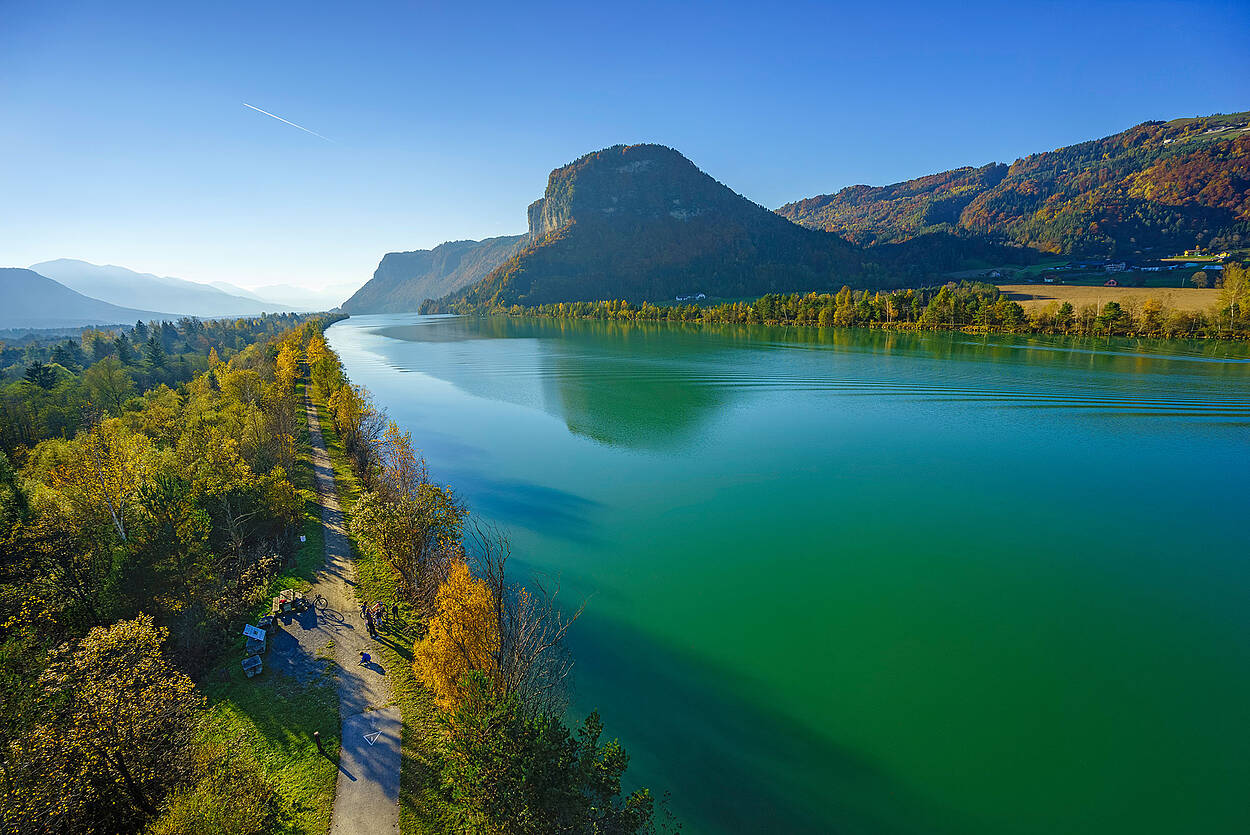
[(965, 306)]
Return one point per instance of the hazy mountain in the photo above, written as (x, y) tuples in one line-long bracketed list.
[(235, 290), (641, 223), (32, 300), (403, 280), (1158, 187), (118, 285), (307, 298)]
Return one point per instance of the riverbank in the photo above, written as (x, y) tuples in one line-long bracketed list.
[(965, 307)]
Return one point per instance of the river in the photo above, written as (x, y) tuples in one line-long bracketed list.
[(868, 582)]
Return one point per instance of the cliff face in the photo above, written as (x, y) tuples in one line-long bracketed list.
[(643, 223), (632, 183), (405, 279)]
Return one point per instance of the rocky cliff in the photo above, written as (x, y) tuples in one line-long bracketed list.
[(404, 279)]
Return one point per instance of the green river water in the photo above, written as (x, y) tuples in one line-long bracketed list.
[(864, 582)]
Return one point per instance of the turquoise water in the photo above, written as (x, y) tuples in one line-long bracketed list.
[(867, 582)]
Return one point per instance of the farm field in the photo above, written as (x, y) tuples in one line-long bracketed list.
[(1035, 297)]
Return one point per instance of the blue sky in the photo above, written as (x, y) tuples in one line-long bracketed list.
[(124, 138)]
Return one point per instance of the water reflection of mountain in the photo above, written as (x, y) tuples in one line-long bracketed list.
[(658, 385), (640, 386)]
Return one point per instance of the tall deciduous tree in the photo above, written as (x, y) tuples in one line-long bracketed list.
[(117, 728), (109, 384), (461, 637), (415, 523), (99, 472)]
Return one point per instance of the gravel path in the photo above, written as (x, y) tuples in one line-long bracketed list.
[(366, 797)]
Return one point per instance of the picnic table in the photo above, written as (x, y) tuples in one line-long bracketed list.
[(257, 643), (289, 600)]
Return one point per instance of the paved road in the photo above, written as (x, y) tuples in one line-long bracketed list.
[(366, 798)]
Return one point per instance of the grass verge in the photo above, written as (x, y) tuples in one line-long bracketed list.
[(273, 716)]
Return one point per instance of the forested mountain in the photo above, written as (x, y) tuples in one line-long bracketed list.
[(405, 279), (641, 222), (1160, 186), (34, 301), (118, 285)]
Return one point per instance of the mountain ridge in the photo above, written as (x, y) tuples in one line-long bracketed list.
[(1158, 185), (403, 280), (121, 286), (34, 301)]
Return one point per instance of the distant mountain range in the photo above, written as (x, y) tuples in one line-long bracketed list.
[(118, 285), (67, 294), (35, 301), (1157, 187), (643, 223), (403, 280)]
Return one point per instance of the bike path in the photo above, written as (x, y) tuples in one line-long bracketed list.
[(366, 798)]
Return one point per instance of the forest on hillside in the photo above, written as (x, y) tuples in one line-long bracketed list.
[(1159, 187)]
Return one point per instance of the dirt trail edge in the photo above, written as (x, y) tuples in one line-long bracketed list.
[(366, 798)]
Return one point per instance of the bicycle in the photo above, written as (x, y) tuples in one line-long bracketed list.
[(320, 602)]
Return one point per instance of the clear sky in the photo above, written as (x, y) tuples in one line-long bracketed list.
[(124, 138)]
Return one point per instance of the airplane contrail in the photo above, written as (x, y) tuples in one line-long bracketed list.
[(292, 124)]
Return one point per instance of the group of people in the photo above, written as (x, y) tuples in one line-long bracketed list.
[(376, 614)]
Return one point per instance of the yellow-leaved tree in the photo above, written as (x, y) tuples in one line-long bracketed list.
[(316, 348), (97, 475), (463, 636), (286, 368), (116, 730)]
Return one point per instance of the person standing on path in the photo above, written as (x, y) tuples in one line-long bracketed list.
[(373, 629)]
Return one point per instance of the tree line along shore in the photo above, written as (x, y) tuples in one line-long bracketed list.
[(155, 490), (963, 306)]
